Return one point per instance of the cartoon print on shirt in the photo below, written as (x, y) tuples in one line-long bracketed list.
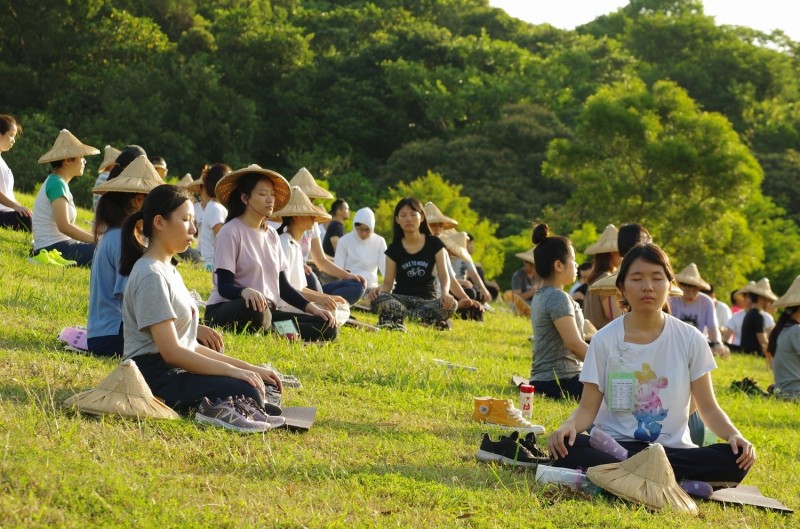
[(647, 409)]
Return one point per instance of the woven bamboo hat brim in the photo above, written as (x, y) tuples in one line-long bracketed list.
[(645, 478), (435, 215), (139, 177), (761, 288), (300, 205), (792, 296), (190, 184), (456, 242), (608, 287), (607, 242), (67, 146), (306, 182), (227, 184), (691, 276), (109, 157), (186, 180), (526, 256), (123, 392)]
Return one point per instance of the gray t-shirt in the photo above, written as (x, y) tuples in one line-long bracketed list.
[(155, 292), (551, 358), (786, 363)]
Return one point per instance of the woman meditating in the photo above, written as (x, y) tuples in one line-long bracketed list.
[(783, 350), (640, 374), (409, 285), (12, 214), (250, 275), (160, 324)]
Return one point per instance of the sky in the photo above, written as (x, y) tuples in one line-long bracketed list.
[(764, 15)]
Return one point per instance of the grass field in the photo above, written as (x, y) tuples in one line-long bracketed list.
[(393, 444)]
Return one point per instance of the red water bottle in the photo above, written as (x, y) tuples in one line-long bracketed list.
[(526, 400)]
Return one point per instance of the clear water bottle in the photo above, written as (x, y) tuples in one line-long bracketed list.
[(574, 479)]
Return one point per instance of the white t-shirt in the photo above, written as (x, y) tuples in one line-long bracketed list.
[(362, 257), (295, 274), (101, 179), (6, 183), (214, 214), (305, 240), (663, 369), (198, 216), (45, 228), (735, 325)]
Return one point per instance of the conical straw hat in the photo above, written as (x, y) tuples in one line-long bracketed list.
[(67, 146), (186, 180), (191, 184), (300, 205), (227, 184), (109, 157), (608, 287), (306, 182), (123, 392), (691, 276), (139, 177), (456, 242), (760, 288), (792, 296), (607, 242), (434, 215), (526, 256), (645, 478)]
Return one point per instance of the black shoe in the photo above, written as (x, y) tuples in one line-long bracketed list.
[(749, 386), (529, 443), (507, 451)]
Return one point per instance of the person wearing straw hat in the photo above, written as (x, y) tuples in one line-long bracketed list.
[(697, 309), (296, 218), (109, 157), (251, 269), (467, 294), (409, 286), (12, 214), (54, 211), (784, 345), (161, 166), (556, 318), (361, 251), (640, 375), (160, 320), (214, 213), (524, 284), (605, 259), (755, 330)]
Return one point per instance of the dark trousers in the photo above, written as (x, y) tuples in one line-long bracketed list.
[(80, 252), (349, 289), (182, 390), (237, 316), (15, 221), (112, 345), (471, 313), (311, 328), (715, 464), (559, 389)]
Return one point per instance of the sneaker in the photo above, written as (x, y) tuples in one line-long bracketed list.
[(258, 413), (288, 381), (529, 443), (749, 386), (56, 256), (502, 413), (272, 398), (507, 451), (226, 414), (43, 258)]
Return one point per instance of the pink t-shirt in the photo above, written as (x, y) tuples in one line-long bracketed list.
[(254, 256)]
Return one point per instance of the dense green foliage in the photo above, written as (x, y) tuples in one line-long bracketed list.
[(371, 94)]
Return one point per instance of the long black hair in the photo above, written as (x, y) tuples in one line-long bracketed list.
[(784, 321), (548, 250), (415, 205), (162, 200)]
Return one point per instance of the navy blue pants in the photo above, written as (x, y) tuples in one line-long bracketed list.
[(15, 221), (560, 389), (80, 252)]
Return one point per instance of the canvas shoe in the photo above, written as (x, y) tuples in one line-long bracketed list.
[(502, 413), (226, 414), (259, 413), (507, 451), (56, 256), (43, 258)]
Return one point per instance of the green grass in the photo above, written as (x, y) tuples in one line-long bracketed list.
[(392, 446)]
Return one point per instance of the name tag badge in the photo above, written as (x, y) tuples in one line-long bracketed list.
[(620, 387)]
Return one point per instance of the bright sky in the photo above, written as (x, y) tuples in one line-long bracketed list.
[(764, 15)]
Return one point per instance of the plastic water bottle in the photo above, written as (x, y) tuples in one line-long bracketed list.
[(526, 400), (575, 479)]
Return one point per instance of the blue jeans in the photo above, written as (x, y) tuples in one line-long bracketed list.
[(80, 252), (349, 289)]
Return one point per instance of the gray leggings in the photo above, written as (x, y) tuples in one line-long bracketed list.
[(391, 307)]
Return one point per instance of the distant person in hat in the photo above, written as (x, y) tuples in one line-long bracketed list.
[(640, 375), (161, 166), (469, 298), (339, 212), (755, 329), (54, 211), (784, 345), (696, 308), (361, 251), (722, 309), (160, 320), (409, 288), (605, 259), (12, 214), (251, 269), (214, 213), (732, 329), (557, 320), (524, 284), (109, 158)]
